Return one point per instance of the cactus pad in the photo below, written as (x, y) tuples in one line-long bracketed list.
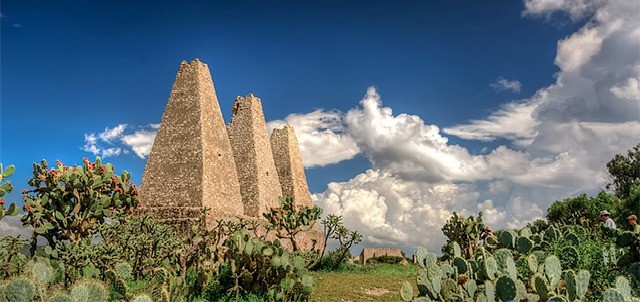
[(506, 288), (20, 290), (406, 292)]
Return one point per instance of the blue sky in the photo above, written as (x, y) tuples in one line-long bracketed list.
[(489, 87)]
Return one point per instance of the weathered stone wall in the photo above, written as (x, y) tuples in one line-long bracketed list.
[(371, 252), (191, 164), (257, 174), (286, 153)]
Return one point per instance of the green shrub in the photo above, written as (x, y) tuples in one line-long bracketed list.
[(386, 259)]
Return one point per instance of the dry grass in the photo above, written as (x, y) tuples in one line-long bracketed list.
[(379, 283)]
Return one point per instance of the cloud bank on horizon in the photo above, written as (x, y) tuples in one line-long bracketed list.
[(559, 140)]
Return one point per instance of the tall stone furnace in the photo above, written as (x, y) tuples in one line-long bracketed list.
[(191, 164), (197, 162)]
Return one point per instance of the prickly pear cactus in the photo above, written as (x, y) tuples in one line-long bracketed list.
[(536, 238), (506, 264), (425, 258), (521, 290), (449, 288), (525, 232), (569, 257), (553, 271), (551, 234), (80, 293), (6, 187), (490, 266), (623, 287), (160, 294), (406, 292), (429, 281), (490, 291), (461, 265), (97, 291), (161, 276), (506, 288), (612, 295), (447, 270), (60, 298), (540, 284), (20, 290), (524, 245), (572, 238), (124, 270), (571, 280), (532, 263), (456, 249), (42, 272), (70, 202), (471, 287), (557, 298), (142, 298), (582, 283), (507, 239)]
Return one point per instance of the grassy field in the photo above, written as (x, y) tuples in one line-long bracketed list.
[(380, 282)]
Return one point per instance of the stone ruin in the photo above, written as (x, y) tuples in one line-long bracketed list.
[(235, 170), (372, 252)]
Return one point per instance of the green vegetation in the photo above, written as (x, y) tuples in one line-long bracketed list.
[(568, 257), (377, 282), (138, 258)]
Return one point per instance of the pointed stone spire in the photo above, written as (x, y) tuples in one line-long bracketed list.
[(257, 172), (191, 164), (286, 153)]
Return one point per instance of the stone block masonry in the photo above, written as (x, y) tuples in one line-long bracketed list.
[(286, 153), (257, 174), (191, 164)]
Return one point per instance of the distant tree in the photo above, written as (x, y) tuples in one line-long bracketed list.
[(334, 229), (464, 231), (288, 220), (581, 210), (625, 174)]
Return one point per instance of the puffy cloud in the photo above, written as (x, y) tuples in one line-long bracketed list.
[(90, 142), (12, 226), (628, 90), (389, 210), (564, 135), (141, 142), (118, 142), (576, 9), (321, 137), (503, 84), (114, 133), (513, 121)]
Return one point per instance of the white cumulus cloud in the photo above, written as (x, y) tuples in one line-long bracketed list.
[(321, 135), (121, 139), (141, 142), (503, 84)]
